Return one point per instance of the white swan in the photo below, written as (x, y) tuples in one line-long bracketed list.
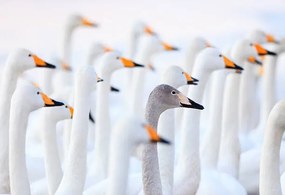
[(111, 62), (270, 155), (18, 61), (175, 77), (187, 175), (149, 46), (25, 99), (196, 45), (73, 179), (162, 98)]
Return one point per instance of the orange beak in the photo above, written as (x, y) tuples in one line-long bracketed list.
[(148, 30), (108, 49), (40, 63), (71, 110), (230, 64), (86, 22), (154, 137), (262, 51), (48, 101), (130, 64), (271, 39), (168, 47), (190, 80), (253, 60)]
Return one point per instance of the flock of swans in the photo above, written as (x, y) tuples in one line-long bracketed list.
[(95, 142)]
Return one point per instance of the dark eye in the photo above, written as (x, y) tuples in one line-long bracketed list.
[(38, 93), (65, 106), (173, 92), (30, 55), (251, 44), (117, 58), (220, 55)]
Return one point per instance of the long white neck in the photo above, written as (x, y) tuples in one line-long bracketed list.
[(230, 146), (188, 167), (74, 176), (119, 164), (269, 182), (268, 88), (51, 154), (17, 161), (103, 129), (8, 85), (66, 46), (211, 145), (166, 153), (248, 93), (143, 56)]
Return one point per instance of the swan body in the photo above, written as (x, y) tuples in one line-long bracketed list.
[(25, 99), (17, 62)]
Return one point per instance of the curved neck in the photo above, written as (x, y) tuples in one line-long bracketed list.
[(230, 146), (75, 172), (211, 145), (270, 159), (189, 60), (103, 129), (119, 164), (19, 181), (8, 86), (67, 37), (51, 154), (268, 87)]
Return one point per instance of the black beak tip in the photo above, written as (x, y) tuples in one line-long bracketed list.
[(100, 80), (238, 67), (162, 140), (138, 65), (271, 53), (55, 103), (48, 65), (175, 49), (91, 117), (114, 89)]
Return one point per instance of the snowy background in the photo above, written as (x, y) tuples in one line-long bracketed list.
[(38, 24)]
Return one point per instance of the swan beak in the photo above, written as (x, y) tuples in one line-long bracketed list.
[(271, 39), (107, 49), (40, 63), (98, 79), (168, 47), (230, 64), (149, 30), (154, 137), (48, 101), (262, 52), (253, 60), (190, 80), (151, 67), (188, 103), (71, 110), (114, 89), (91, 118), (65, 66), (86, 22), (130, 64)]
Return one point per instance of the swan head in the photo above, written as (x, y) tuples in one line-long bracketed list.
[(197, 44), (112, 61), (176, 77), (98, 49), (77, 20), (277, 116), (259, 36), (86, 79), (140, 28), (246, 52), (21, 60), (211, 59), (167, 97), (32, 97)]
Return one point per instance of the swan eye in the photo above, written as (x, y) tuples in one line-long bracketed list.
[(65, 106), (220, 55), (30, 55), (38, 93), (173, 92), (251, 44), (117, 58)]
